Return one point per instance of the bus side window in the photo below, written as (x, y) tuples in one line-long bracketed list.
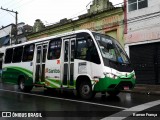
[(28, 53), (86, 49), (17, 54), (92, 53), (8, 55), (81, 49), (54, 49)]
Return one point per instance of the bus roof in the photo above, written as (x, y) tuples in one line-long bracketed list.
[(45, 38)]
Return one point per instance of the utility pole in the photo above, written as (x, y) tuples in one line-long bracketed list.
[(16, 18)]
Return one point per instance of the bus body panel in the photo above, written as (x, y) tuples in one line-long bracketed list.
[(82, 67), (11, 73), (53, 73)]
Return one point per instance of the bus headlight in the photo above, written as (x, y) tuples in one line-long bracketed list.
[(110, 75), (134, 76)]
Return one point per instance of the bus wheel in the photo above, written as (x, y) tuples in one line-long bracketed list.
[(23, 87), (113, 93), (85, 90)]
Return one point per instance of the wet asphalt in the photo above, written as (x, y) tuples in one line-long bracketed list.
[(65, 105)]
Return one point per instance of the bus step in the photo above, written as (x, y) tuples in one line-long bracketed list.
[(39, 85)]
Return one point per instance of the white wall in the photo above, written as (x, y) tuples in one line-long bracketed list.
[(20, 27), (5, 31), (144, 24)]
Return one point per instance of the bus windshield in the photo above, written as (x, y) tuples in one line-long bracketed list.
[(111, 49)]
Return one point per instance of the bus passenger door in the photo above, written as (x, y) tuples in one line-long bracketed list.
[(41, 51), (68, 67)]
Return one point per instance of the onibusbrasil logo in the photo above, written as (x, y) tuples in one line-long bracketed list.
[(22, 114)]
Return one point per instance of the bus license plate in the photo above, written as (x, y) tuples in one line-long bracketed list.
[(126, 88)]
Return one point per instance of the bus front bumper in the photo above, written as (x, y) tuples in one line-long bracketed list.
[(109, 84)]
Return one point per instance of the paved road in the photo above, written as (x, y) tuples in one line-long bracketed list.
[(67, 106)]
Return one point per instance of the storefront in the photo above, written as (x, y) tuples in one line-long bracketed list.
[(142, 41)]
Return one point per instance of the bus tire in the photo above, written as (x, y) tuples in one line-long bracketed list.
[(22, 85), (113, 93), (85, 90)]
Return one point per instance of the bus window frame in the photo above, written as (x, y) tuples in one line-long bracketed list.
[(84, 36), (13, 61), (28, 60), (11, 56), (49, 49)]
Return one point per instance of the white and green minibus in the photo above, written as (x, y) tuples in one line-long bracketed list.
[(82, 60)]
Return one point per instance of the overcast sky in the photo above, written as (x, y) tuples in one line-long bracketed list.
[(49, 11)]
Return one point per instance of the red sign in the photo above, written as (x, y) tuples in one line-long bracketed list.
[(58, 61)]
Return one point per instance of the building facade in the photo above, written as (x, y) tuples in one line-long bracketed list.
[(102, 17), (142, 39), (5, 35), (8, 34)]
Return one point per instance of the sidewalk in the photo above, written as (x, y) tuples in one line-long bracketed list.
[(146, 89)]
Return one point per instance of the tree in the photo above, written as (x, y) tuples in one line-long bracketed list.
[(38, 25)]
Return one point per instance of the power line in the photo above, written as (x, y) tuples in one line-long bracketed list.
[(23, 4), (73, 16), (16, 19), (15, 4), (18, 6), (139, 18), (9, 2)]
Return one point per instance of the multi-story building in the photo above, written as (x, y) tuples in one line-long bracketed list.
[(142, 39), (8, 34), (5, 35)]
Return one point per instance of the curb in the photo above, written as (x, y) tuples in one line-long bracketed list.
[(142, 92), (145, 89)]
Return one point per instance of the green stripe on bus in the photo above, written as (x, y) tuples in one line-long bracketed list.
[(53, 83), (23, 70), (57, 83)]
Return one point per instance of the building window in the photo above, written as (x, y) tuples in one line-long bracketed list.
[(142, 4), (132, 5), (137, 4)]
